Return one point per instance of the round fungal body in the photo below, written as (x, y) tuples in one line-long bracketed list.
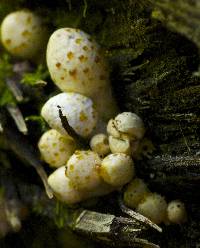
[(176, 212), (77, 109), (83, 170), (134, 193), (23, 34), (76, 64), (63, 188), (112, 129), (154, 207), (99, 144), (119, 145), (55, 148), (117, 169), (130, 125)]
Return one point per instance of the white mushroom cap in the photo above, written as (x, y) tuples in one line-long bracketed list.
[(135, 192), (78, 110), (117, 169), (112, 130), (55, 148), (99, 144), (23, 34), (176, 212), (63, 188), (120, 145), (75, 62), (83, 170), (130, 124), (154, 207)]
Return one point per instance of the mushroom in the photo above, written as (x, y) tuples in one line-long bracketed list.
[(135, 192), (129, 125), (99, 144), (154, 207), (55, 148), (23, 34), (125, 131), (77, 64), (117, 169), (176, 212), (63, 188), (83, 170), (77, 109)]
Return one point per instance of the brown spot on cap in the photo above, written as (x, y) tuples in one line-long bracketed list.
[(25, 33), (83, 58), (8, 41), (78, 41), (86, 70), (83, 116), (62, 78), (58, 65), (73, 73), (28, 20), (85, 48), (70, 55)]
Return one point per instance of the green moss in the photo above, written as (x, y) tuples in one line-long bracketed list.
[(41, 73), (5, 72)]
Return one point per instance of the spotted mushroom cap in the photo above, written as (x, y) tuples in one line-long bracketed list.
[(135, 191), (130, 124), (117, 169), (83, 170), (63, 188), (176, 212), (78, 110), (55, 148), (75, 62), (23, 34)]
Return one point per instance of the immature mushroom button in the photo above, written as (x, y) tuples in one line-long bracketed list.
[(119, 145), (176, 212), (63, 188), (77, 109), (23, 34), (154, 207), (130, 124), (112, 130), (135, 192), (117, 169), (55, 148), (83, 170), (99, 144)]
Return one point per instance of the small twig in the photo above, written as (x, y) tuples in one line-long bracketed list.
[(17, 117), (85, 8), (14, 88), (82, 142), (23, 149)]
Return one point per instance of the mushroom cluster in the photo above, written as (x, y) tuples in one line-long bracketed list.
[(78, 67), (152, 205), (86, 173)]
